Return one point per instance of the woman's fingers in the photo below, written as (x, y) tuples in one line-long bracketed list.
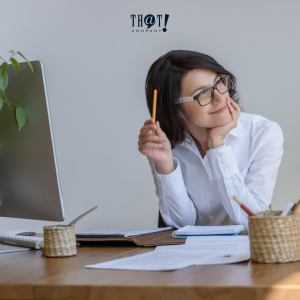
[(153, 142), (145, 129), (234, 104), (150, 121), (231, 107), (151, 132), (158, 130), (236, 107), (234, 111), (147, 146), (151, 138)]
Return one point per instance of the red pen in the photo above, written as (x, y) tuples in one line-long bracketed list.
[(243, 206)]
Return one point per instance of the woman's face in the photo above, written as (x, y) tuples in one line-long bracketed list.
[(193, 83)]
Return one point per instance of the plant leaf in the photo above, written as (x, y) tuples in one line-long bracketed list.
[(1, 102), (20, 116), (3, 69), (10, 107), (26, 60), (14, 115), (3, 82), (11, 51), (15, 63)]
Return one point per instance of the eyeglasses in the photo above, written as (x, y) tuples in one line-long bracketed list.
[(207, 96)]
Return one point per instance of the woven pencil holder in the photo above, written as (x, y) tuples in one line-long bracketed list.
[(59, 241), (274, 239)]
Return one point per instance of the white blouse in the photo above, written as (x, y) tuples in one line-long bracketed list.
[(199, 191)]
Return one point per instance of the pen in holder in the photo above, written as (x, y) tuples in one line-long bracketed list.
[(60, 240), (274, 238)]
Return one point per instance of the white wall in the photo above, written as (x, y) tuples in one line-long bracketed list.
[(95, 72)]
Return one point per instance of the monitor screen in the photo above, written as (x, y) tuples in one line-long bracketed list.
[(29, 181)]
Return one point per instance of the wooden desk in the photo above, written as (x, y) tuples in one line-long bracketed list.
[(29, 275)]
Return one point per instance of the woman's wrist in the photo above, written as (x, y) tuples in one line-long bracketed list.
[(215, 143), (166, 167)]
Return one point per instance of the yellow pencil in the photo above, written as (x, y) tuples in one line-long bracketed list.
[(296, 208), (154, 104)]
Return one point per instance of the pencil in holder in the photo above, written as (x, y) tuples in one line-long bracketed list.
[(59, 241), (274, 239)]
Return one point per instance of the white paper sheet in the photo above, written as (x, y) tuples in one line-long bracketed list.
[(210, 250), (196, 240), (224, 250), (156, 261), (9, 248)]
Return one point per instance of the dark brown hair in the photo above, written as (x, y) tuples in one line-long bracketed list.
[(165, 75)]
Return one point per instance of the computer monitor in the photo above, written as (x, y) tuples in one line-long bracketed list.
[(29, 181)]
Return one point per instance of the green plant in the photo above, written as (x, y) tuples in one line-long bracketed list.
[(17, 111)]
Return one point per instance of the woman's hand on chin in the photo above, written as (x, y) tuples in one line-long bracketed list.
[(216, 135)]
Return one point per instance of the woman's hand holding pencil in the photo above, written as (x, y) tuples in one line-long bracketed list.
[(154, 143)]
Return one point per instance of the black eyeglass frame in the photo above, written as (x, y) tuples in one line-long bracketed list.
[(213, 88)]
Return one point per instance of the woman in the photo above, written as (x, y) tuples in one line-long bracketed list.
[(202, 149)]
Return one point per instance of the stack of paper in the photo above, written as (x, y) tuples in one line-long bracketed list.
[(196, 251), (208, 230), (223, 249), (103, 233)]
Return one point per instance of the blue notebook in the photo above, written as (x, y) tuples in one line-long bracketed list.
[(228, 230)]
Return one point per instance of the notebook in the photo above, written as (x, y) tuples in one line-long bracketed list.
[(105, 233), (207, 230), (148, 240)]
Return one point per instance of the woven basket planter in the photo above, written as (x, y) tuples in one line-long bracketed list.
[(274, 239), (59, 241)]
